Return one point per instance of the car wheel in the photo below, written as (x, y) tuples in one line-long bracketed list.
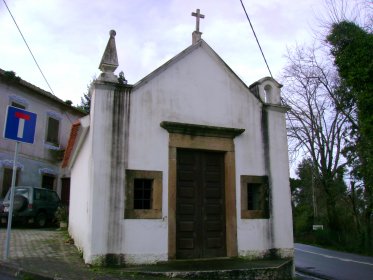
[(20, 202), (41, 219)]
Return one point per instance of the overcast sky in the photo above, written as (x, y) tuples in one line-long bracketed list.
[(68, 37)]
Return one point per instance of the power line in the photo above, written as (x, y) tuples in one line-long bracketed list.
[(45, 79), (256, 38)]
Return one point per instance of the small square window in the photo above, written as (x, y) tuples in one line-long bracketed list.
[(254, 197), (143, 194)]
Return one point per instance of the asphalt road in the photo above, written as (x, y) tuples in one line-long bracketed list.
[(329, 264), (6, 277)]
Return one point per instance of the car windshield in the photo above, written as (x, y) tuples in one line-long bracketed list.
[(19, 191)]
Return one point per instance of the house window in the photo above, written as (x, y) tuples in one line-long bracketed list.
[(17, 101), (143, 194), (7, 180), (18, 105), (254, 197), (48, 181), (53, 127)]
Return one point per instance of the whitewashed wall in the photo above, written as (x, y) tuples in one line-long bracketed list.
[(195, 90), (80, 218), (281, 198)]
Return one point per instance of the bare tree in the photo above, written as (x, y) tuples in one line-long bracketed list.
[(335, 11), (325, 123), (316, 129)]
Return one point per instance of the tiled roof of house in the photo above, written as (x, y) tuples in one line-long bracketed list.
[(70, 145)]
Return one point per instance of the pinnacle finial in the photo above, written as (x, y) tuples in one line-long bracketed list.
[(109, 61)]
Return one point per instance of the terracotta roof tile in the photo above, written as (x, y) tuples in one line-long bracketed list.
[(70, 145)]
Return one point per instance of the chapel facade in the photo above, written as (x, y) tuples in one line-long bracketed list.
[(187, 163)]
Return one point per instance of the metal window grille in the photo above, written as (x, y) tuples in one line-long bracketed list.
[(254, 196), (143, 189)]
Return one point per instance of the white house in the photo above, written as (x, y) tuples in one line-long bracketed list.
[(187, 163), (38, 164)]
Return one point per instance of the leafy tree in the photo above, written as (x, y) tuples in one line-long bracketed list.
[(352, 47), (329, 88), (85, 102), (303, 198)]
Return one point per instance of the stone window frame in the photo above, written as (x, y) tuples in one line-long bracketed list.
[(156, 211), (263, 213)]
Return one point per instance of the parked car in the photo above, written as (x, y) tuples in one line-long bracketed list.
[(31, 205)]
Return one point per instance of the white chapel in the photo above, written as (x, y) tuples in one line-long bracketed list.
[(188, 163)]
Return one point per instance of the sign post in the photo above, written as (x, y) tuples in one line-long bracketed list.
[(10, 213), (20, 127)]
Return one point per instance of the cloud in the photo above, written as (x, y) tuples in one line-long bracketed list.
[(68, 37)]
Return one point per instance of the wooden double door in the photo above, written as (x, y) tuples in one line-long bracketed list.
[(200, 204)]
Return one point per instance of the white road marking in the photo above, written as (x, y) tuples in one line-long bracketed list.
[(307, 276), (331, 257)]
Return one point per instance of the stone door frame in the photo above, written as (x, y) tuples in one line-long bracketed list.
[(211, 139)]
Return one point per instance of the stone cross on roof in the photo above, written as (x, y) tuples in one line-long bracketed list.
[(198, 15), (196, 36)]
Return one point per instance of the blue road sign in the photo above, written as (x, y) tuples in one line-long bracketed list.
[(20, 125)]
